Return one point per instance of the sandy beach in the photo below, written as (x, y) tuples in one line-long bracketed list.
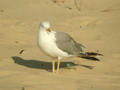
[(95, 24)]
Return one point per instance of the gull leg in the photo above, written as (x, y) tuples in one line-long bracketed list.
[(53, 65), (58, 65)]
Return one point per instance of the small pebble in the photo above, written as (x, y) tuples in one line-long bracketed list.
[(23, 88), (16, 42), (69, 8), (80, 26), (21, 51)]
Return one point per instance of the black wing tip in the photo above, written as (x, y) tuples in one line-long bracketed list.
[(94, 54), (91, 58)]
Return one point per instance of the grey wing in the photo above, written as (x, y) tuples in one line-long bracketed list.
[(67, 44)]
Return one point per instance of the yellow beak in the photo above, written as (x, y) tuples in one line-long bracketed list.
[(48, 30)]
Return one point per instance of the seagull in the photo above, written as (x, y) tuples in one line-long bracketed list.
[(59, 45)]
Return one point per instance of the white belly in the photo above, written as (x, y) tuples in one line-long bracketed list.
[(46, 41)]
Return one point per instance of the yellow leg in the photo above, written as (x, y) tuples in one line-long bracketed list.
[(53, 65), (58, 65)]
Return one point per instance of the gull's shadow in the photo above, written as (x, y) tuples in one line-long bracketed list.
[(44, 65)]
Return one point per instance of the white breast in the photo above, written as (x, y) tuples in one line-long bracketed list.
[(46, 41)]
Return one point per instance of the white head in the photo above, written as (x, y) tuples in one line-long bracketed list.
[(45, 25)]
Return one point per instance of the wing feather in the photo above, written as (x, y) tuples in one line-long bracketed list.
[(66, 43)]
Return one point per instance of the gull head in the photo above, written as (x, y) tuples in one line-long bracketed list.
[(45, 25)]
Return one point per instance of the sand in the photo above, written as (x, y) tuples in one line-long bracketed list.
[(93, 23)]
